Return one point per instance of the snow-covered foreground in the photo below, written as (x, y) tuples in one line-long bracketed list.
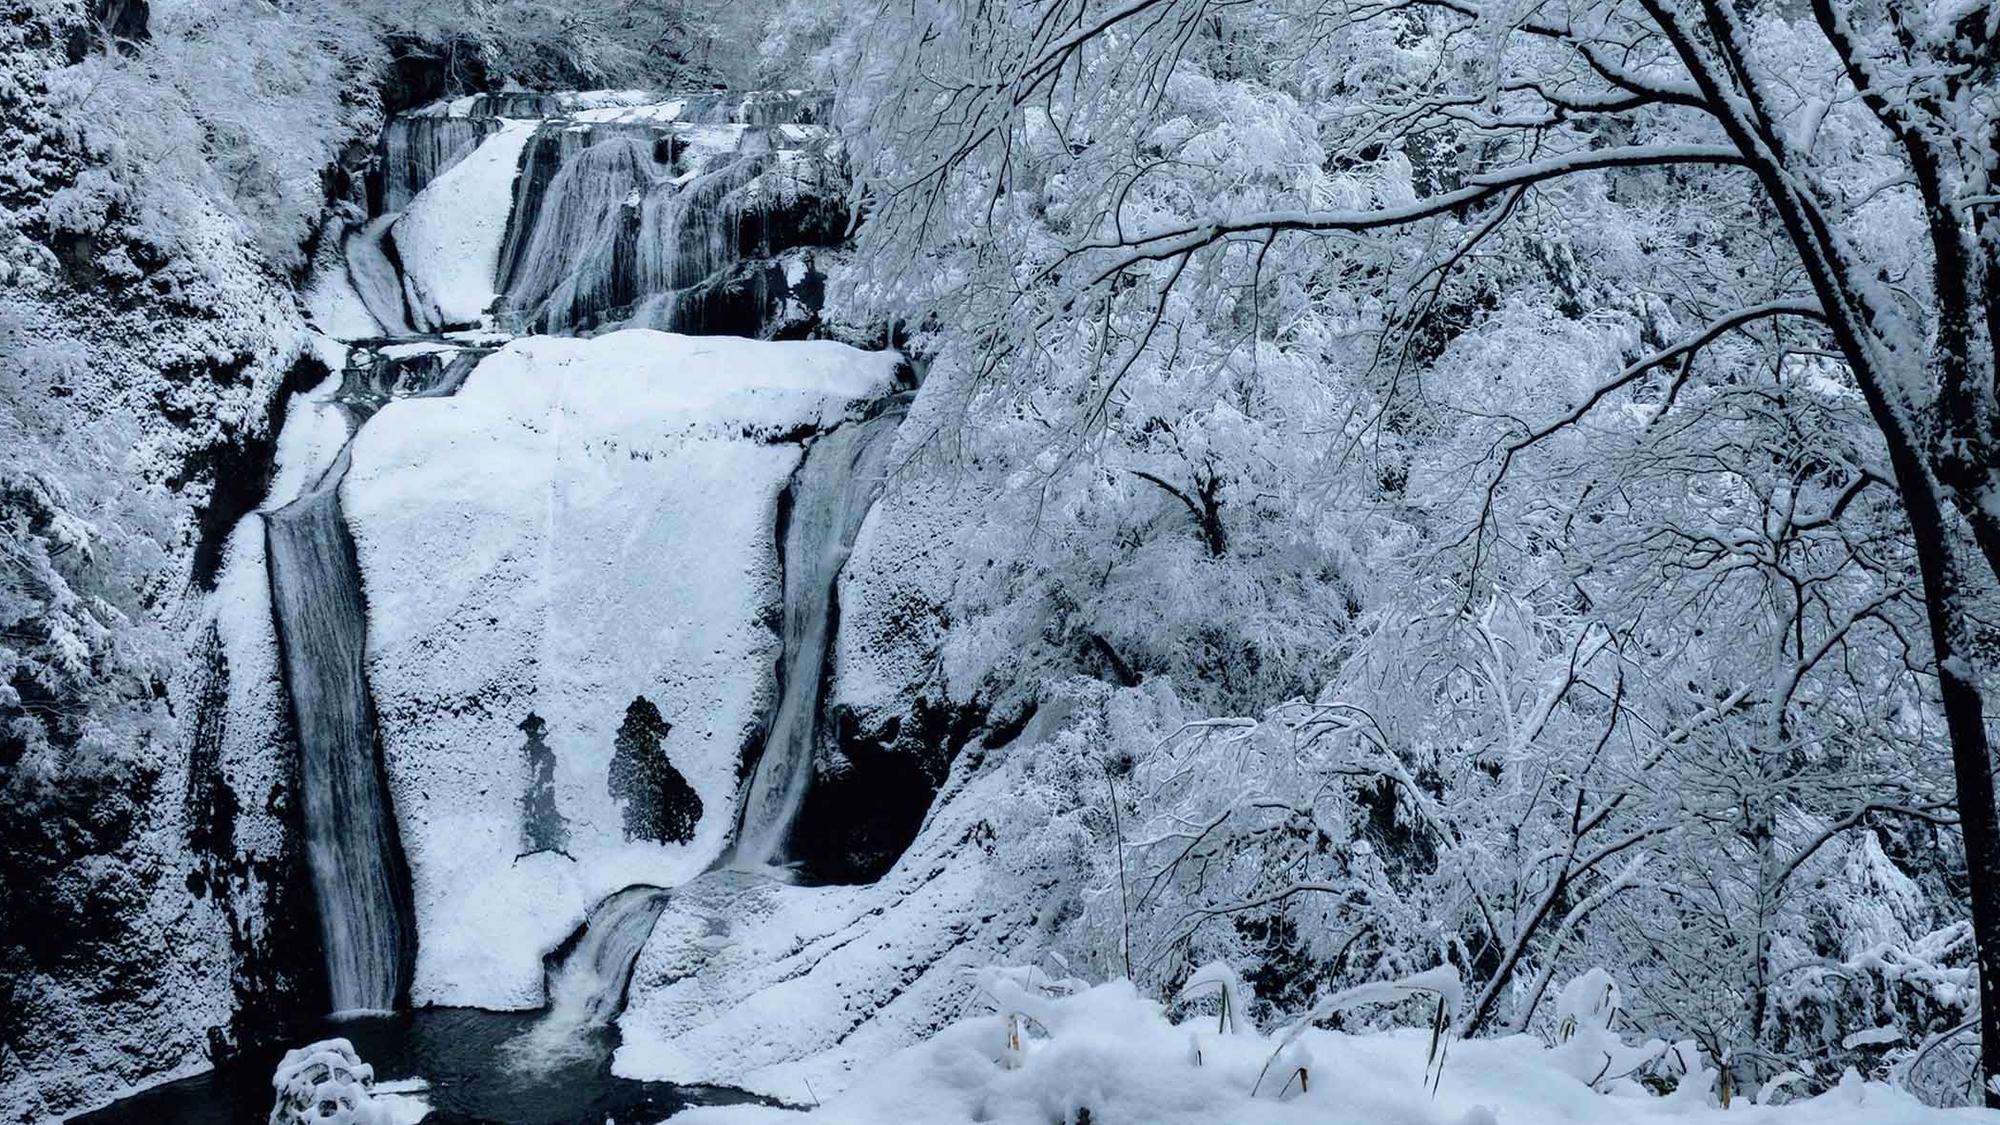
[(1111, 1057)]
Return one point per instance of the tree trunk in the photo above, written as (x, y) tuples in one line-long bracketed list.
[(1971, 757)]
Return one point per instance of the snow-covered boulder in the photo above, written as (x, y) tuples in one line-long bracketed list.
[(586, 525), (327, 1083)]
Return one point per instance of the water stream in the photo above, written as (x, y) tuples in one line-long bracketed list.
[(366, 921), (588, 979), (375, 277), (835, 485), (361, 883)]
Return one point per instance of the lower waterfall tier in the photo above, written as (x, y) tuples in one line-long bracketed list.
[(829, 497), (359, 880), (573, 586)]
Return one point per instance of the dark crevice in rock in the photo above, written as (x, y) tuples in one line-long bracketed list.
[(265, 900), (238, 470), (110, 22), (874, 788)]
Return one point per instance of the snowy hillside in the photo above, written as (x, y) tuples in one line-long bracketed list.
[(1027, 561)]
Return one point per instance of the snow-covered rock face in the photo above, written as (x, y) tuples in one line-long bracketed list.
[(562, 213), (586, 524)]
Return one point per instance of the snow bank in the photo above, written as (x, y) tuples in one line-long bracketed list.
[(449, 238), (796, 992), (587, 522), (1115, 1055)]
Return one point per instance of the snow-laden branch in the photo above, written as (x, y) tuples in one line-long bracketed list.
[(1186, 238)]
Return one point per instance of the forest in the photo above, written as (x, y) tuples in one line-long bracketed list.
[(1079, 561)]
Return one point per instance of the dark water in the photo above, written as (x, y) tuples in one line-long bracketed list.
[(501, 1067)]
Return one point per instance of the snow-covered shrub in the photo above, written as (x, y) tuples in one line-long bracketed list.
[(325, 1083), (1589, 1046), (1055, 1051)]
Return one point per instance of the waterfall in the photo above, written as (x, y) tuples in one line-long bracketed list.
[(589, 973), (835, 485), (360, 883), (375, 276), (419, 147), (578, 263), (626, 209)]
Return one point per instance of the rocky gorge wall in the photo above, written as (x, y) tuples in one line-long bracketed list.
[(572, 577)]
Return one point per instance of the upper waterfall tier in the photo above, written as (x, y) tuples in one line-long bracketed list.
[(567, 213)]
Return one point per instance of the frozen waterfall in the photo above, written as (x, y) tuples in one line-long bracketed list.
[(587, 981), (830, 495), (359, 879)]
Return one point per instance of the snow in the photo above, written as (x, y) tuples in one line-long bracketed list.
[(568, 100), (797, 992), (586, 522), (898, 583), (1049, 1057), (332, 304), (1869, 1036), (449, 238), (315, 430)]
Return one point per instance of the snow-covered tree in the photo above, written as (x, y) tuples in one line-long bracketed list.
[(1643, 189)]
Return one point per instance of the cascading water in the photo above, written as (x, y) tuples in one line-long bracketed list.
[(375, 277), (366, 922), (419, 147), (361, 882), (587, 981), (831, 493), (579, 255)]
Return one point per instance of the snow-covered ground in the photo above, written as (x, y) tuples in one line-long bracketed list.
[(1108, 1056), (585, 523)]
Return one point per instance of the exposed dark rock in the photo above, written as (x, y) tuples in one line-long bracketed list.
[(238, 471), (543, 827), (111, 21), (266, 900), (872, 792), (657, 801)]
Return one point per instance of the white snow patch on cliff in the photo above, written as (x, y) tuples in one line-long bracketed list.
[(315, 430), (585, 523), (449, 238)]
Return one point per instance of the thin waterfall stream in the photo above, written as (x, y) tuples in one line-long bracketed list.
[(835, 486), (361, 882)]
